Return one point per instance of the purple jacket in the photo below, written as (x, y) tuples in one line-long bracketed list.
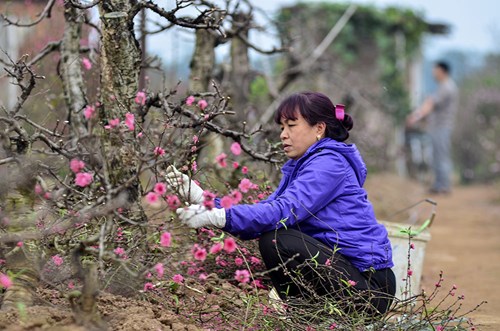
[(322, 195)]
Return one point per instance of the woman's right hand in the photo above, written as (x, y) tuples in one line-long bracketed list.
[(184, 186)]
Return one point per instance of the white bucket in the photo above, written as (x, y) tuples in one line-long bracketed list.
[(400, 242)]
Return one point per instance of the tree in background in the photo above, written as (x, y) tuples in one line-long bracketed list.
[(369, 66), (476, 136)]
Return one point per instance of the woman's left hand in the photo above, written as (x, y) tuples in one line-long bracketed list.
[(197, 216)]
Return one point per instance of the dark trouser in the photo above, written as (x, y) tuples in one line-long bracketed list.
[(304, 267)]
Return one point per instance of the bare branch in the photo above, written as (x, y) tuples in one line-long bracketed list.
[(46, 13), (206, 19)]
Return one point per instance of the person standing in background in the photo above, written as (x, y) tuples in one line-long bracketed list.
[(440, 109)]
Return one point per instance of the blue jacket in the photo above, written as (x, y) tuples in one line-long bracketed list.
[(322, 195)]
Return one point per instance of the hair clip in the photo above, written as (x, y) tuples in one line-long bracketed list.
[(339, 112)]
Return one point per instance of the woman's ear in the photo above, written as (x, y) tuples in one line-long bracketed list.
[(321, 129)]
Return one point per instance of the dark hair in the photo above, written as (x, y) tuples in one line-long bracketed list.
[(315, 108), (445, 66)]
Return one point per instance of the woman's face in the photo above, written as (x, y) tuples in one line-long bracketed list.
[(297, 135)]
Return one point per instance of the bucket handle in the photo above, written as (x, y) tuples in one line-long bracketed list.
[(427, 223)]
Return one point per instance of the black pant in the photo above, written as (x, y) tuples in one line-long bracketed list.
[(302, 266)]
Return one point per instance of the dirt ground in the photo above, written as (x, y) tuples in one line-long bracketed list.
[(465, 242), (465, 245)]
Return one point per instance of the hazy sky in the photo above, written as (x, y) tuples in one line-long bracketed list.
[(475, 24), (475, 27)]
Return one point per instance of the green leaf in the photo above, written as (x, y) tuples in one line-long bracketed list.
[(283, 222)]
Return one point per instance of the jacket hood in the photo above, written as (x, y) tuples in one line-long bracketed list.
[(348, 151)]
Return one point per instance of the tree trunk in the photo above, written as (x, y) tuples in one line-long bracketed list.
[(202, 64), (71, 72), (120, 59), (120, 68), (240, 77), (203, 61)]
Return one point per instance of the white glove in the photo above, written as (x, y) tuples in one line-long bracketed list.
[(185, 186), (196, 216)]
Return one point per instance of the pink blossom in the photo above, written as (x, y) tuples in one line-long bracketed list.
[(236, 148), (195, 139), (216, 248), (19, 244), (410, 272), (412, 246), (160, 188), (203, 276), (258, 283), (152, 199), (148, 286), (208, 201), (57, 260), (140, 98), (230, 245), (173, 202), (202, 104), (245, 185), (191, 271), (71, 285), (200, 254), (112, 123), (140, 134), (238, 261), (165, 239), (119, 251), (209, 204), (190, 100), (254, 260), (242, 276), (328, 262), (5, 281), (76, 165), (89, 112), (178, 279), (159, 151), (209, 232), (220, 262), (244, 170), (159, 269), (333, 326), (130, 121), (226, 202), (38, 189), (351, 282), (237, 196), (221, 160), (439, 328), (86, 63), (83, 179)]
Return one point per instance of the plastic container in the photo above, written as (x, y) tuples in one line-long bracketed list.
[(400, 242)]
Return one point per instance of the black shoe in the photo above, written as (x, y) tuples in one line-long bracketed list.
[(435, 191)]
